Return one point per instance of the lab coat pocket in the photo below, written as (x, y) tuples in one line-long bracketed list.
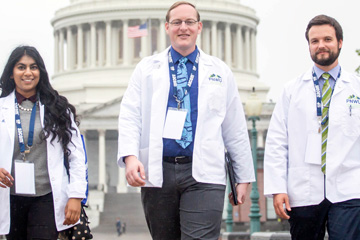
[(212, 151), (313, 149), (298, 184), (351, 122), (215, 98), (347, 173)]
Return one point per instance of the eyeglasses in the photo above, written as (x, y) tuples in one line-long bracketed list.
[(177, 23)]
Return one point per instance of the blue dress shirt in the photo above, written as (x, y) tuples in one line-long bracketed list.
[(334, 73), (171, 148)]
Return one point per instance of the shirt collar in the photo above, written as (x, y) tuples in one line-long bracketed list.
[(20, 98), (176, 56), (334, 73)]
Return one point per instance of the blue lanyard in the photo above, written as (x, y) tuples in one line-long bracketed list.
[(191, 78), (319, 97), (20, 131)]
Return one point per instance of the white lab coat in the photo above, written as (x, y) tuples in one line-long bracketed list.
[(61, 189), (221, 122), (293, 145)]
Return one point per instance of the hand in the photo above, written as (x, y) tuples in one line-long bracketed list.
[(132, 169), (279, 200), (72, 211), (6, 180), (241, 190)]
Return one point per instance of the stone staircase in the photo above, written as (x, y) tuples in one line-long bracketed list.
[(126, 206)]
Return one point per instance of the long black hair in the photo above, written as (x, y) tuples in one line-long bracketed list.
[(58, 111)]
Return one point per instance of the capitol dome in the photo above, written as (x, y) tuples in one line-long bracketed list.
[(94, 59)]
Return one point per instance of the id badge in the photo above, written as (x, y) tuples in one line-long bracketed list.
[(313, 149), (174, 123), (24, 177)]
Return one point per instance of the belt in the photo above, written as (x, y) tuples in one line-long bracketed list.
[(178, 159)]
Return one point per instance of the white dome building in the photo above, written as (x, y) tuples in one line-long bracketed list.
[(94, 58)]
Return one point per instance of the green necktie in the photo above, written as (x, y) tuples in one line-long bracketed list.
[(326, 95)]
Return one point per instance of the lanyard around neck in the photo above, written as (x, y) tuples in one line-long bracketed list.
[(20, 131), (319, 97), (174, 78), (318, 92)]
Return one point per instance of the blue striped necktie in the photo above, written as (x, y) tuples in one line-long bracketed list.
[(182, 80), (326, 96)]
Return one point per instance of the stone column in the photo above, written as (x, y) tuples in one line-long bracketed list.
[(115, 45), (80, 47), (214, 36), (162, 38), (92, 44), (121, 186), (61, 51), (101, 47), (206, 40), (108, 43), (247, 49), (69, 49), (125, 46), (228, 49), (56, 51), (239, 48), (253, 50), (102, 161), (144, 42), (88, 48), (220, 44)]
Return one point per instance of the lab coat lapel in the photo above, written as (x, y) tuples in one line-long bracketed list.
[(341, 82), (8, 109), (161, 85), (308, 79)]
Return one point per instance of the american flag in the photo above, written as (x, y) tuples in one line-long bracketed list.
[(137, 31)]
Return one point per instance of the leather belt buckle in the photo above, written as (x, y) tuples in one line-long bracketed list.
[(178, 159)]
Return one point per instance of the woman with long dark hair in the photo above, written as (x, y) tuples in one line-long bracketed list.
[(37, 127)]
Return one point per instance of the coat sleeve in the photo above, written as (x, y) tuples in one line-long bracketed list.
[(276, 148), (78, 184), (235, 134), (130, 118)]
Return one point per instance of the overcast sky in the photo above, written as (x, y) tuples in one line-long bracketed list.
[(282, 51)]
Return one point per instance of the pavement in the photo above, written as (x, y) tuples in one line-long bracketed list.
[(126, 236), (129, 209)]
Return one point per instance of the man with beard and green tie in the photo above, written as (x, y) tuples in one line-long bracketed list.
[(312, 152)]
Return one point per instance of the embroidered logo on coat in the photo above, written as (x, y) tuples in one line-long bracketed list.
[(215, 78), (353, 101)]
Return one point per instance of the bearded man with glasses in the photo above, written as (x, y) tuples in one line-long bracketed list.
[(180, 111)]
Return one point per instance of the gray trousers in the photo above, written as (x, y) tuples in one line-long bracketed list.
[(183, 208)]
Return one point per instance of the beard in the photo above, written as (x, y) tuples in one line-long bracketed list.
[(326, 61)]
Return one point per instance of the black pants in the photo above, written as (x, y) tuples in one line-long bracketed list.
[(32, 218), (341, 219), (183, 208)]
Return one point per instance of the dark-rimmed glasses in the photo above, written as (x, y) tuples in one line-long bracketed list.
[(177, 23)]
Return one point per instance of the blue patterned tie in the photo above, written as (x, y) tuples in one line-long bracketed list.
[(182, 80)]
